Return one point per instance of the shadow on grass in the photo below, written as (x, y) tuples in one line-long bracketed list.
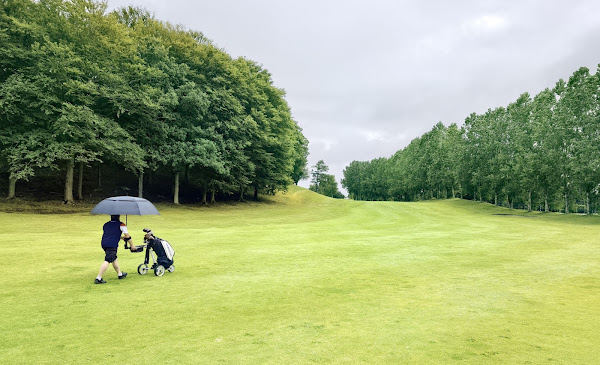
[(514, 215)]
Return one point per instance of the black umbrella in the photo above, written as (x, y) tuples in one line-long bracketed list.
[(125, 205)]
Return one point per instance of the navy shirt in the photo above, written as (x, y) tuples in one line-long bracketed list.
[(112, 234)]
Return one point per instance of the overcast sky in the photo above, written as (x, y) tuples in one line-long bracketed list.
[(364, 78)]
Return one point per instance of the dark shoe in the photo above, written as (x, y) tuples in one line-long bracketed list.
[(122, 276), (101, 281)]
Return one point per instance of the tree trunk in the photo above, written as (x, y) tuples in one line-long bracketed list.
[(453, 193), (69, 181), (99, 174), (80, 182), (255, 194), (204, 194), (566, 204), (546, 207), (12, 184), (496, 199), (529, 202), (241, 193), (212, 196), (176, 193), (587, 203), (141, 184)]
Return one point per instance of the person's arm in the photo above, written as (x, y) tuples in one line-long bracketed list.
[(127, 237)]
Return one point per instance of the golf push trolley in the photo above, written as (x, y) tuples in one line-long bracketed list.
[(163, 251)]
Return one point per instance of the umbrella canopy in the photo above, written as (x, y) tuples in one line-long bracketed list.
[(125, 205)]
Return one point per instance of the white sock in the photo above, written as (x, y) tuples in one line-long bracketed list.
[(99, 277)]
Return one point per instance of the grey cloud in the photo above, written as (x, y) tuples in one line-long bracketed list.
[(392, 69)]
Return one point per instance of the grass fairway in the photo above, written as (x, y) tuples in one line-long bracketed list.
[(307, 279)]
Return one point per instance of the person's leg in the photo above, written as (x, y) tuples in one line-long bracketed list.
[(110, 255), (103, 268), (116, 267)]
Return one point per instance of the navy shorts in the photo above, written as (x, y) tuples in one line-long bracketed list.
[(111, 254)]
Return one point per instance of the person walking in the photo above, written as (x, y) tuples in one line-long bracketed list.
[(113, 231)]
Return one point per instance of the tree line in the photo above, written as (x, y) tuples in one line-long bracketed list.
[(123, 95), (537, 153)]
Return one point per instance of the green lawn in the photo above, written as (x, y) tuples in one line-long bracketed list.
[(306, 279)]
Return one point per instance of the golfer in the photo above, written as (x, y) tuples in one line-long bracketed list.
[(113, 230)]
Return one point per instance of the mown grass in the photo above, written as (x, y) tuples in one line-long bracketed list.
[(305, 279)]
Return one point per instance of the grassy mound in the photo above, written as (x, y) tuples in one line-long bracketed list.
[(302, 278)]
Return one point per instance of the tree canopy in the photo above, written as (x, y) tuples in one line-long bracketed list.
[(131, 96), (324, 183)]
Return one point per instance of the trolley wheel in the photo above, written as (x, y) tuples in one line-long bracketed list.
[(159, 271), (142, 269), (171, 268)]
